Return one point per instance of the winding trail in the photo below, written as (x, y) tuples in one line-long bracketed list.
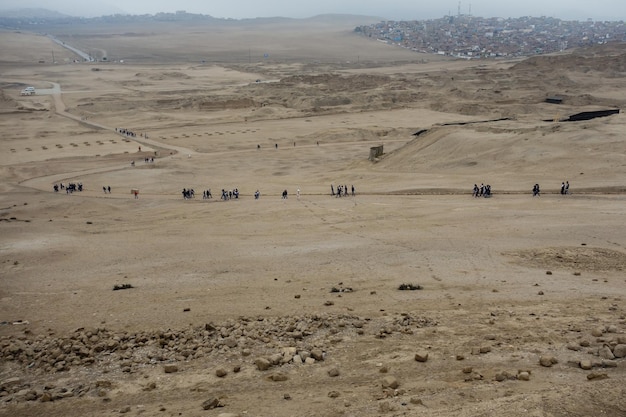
[(43, 182)]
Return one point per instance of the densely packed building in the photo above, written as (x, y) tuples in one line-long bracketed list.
[(473, 37)]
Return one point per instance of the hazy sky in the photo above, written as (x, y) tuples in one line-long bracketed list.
[(394, 9)]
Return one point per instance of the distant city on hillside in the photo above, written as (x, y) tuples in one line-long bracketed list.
[(460, 36), (473, 37)]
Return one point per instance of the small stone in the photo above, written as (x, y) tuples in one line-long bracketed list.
[(501, 376), (278, 377), (606, 363), (390, 382), (10, 382), (523, 376), (262, 364), (416, 401), (585, 364), (485, 349), (333, 394), (619, 351), (221, 372), (211, 403), (333, 372), (286, 396), (317, 354), (460, 357), (170, 368), (421, 356), (605, 353), (547, 360), (468, 370), (596, 376), (597, 332), (125, 410)]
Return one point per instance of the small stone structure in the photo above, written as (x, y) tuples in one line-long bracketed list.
[(375, 152)]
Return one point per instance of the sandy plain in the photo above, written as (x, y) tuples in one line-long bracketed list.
[(218, 284)]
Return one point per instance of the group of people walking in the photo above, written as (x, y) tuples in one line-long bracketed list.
[(342, 191), (564, 189), (482, 191), (69, 188)]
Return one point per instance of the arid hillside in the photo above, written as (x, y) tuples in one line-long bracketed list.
[(405, 295)]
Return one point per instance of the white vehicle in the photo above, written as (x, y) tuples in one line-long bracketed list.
[(27, 92), (30, 89)]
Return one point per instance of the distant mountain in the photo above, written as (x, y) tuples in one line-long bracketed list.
[(64, 8), (32, 13)]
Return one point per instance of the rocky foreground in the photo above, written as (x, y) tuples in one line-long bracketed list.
[(97, 357)]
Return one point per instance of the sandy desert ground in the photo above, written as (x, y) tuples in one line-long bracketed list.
[(292, 307)]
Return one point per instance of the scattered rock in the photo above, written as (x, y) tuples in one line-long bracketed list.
[(170, 368), (585, 364), (547, 360), (597, 332), (523, 376), (278, 377), (262, 364), (221, 372), (10, 382), (592, 376), (211, 403), (317, 354), (390, 382), (117, 287), (605, 352), (619, 351), (333, 394), (421, 356), (333, 372)]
